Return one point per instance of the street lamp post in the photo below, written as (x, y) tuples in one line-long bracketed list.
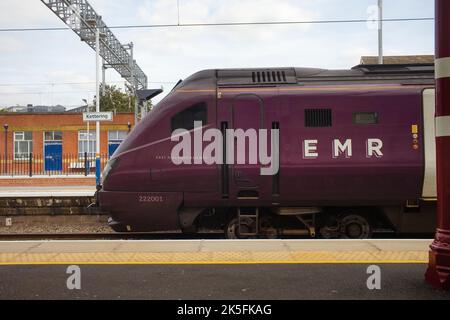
[(133, 80), (380, 32), (438, 272), (97, 104), (6, 126), (86, 160)]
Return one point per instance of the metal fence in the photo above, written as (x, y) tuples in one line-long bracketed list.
[(50, 165)]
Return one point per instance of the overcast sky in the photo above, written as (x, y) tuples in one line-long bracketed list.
[(35, 65)]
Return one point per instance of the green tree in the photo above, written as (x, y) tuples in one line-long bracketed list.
[(113, 99)]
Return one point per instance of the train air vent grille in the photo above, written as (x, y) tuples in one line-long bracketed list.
[(252, 77), (317, 118), (269, 77)]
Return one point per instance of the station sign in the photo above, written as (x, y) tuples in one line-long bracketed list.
[(97, 116)]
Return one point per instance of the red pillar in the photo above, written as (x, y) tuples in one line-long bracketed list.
[(438, 273)]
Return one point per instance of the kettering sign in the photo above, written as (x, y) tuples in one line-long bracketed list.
[(97, 116)]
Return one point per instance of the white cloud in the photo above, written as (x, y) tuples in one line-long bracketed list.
[(69, 75), (10, 44), (218, 46), (168, 54), (261, 10), (24, 13)]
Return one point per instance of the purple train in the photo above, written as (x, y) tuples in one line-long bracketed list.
[(282, 152)]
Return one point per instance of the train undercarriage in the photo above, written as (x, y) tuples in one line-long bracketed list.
[(312, 222), (413, 217)]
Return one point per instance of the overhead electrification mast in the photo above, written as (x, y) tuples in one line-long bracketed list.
[(84, 21), (89, 26)]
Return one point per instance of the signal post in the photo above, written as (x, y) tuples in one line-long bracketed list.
[(438, 272)]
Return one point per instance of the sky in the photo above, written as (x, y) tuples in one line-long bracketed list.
[(55, 67)]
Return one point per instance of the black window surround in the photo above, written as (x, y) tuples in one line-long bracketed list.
[(186, 118)]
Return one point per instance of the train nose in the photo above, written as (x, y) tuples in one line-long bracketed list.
[(108, 169)]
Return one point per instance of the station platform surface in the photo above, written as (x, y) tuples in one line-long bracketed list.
[(216, 269), (214, 251), (53, 191)]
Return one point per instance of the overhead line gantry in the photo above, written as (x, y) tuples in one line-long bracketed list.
[(83, 20)]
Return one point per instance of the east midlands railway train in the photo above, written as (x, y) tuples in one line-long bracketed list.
[(339, 154)]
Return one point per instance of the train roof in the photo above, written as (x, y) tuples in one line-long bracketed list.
[(413, 74), (404, 74)]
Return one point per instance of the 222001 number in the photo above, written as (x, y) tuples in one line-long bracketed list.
[(151, 199)]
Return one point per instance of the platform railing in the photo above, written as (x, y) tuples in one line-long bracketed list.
[(30, 164)]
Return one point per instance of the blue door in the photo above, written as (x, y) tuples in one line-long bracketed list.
[(53, 156), (115, 137), (112, 147)]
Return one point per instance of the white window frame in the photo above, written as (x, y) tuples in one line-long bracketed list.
[(116, 138), (53, 136), (19, 137), (82, 143)]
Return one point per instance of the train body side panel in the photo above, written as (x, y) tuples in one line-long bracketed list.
[(429, 184), (143, 211), (320, 177)]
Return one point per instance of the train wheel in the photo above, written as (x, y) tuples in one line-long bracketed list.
[(329, 228), (268, 229), (117, 227), (120, 229), (232, 230), (349, 226), (354, 226)]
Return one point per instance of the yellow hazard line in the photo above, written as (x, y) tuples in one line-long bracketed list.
[(212, 263), (215, 258)]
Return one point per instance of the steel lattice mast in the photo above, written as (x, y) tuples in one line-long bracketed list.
[(83, 20)]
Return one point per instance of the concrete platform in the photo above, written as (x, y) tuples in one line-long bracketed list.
[(36, 204), (215, 252), (54, 191), (216, 269)]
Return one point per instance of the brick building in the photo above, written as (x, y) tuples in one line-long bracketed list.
[(56, 143)]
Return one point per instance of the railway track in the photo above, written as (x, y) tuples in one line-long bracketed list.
[(156, 236), (104, 236)]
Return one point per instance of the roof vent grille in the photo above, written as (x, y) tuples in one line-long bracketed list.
[(252, 77), (269, 77)]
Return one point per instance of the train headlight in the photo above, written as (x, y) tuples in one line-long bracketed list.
[(109, 165)]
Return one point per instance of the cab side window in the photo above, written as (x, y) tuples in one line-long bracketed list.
[(185, 119)]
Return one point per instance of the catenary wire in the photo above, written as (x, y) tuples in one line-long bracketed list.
[(224, 24)]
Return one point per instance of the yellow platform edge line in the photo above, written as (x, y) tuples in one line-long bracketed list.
[(74, 262), (212, 258)]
